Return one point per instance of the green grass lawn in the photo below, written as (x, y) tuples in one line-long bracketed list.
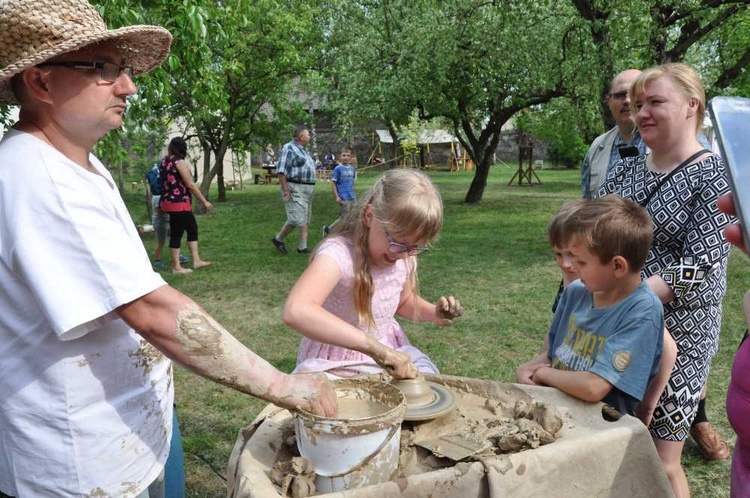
[(493, 256)]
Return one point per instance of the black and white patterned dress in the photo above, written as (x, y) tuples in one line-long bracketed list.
[(689, 252)]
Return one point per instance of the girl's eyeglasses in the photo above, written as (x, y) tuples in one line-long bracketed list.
[(399, 248)]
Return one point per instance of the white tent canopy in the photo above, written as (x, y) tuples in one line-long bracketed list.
[(424, 137)]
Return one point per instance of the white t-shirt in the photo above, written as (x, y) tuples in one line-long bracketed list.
[(85, 402)]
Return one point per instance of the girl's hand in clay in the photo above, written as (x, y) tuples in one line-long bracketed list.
[(448, 308), (396, 363), (311, 392), (399, 365)]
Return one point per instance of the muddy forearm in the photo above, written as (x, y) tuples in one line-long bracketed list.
[(205, 347), (187, 334)]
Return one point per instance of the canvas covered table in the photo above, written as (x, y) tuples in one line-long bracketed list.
[(591, 458)]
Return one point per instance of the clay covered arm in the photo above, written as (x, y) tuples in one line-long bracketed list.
[(184, 332), (304, 312), (442, 313), (586, 386), (646, 407), (187, 179)]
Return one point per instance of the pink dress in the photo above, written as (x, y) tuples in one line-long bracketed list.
[(738, 413), (389, 281)]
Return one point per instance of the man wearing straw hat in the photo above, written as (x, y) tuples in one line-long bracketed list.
[(85, 324)]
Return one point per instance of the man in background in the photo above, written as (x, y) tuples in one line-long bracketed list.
[(296, 172), (621, 141)]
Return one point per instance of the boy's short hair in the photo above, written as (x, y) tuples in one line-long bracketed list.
[(612, 226), (346, 149), (556, 226)]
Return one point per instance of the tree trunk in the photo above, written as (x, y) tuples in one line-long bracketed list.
[(394, 147), (206, 167), (476, 189), (220, 178), (482, 154)]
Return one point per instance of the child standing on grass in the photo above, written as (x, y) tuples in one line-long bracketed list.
[(556, 236), (564, 260), (342, 184), (364, 274), (606, 338)]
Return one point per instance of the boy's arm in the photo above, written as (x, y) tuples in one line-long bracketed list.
[(646, 407), (336, 197), (586, 386), (525, 372)]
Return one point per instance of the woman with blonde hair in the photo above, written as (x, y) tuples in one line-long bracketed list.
[(362, 275), (678, 182)]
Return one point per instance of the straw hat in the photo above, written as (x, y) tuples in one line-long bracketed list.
[(33, 31)]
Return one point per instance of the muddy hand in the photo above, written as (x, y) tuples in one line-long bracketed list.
[(400, 366), (311, 392), (448, 308), (396, 363)]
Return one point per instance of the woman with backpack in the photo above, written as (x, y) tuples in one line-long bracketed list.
[(177, 185)]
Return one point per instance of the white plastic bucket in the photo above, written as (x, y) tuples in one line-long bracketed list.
[(350, 453)]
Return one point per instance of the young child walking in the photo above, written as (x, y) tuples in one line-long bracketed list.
[(364, 274), (606, 338), (342, 184)]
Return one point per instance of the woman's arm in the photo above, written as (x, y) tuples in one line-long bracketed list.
[(702, 250), (661, 288), (647, 405), (187, 179), (304, 312)]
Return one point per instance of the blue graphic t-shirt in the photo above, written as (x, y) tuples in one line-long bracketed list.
[(344, 177), (621, 343)]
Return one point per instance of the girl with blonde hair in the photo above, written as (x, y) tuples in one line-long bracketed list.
[(364, 274)]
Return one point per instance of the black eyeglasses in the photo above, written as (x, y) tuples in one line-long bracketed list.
[(617, 95), (399, 248), (109, 70)]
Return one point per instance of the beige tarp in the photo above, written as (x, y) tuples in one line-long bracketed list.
[(591, 458)]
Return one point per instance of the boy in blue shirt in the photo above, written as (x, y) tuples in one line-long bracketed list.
[(342, 184), (606, 338)]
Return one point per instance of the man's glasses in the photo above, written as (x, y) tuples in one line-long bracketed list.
[(398, 248), (617, 95), (109, 70)]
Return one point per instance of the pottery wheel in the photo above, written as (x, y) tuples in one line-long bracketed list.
[(443, 401)]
